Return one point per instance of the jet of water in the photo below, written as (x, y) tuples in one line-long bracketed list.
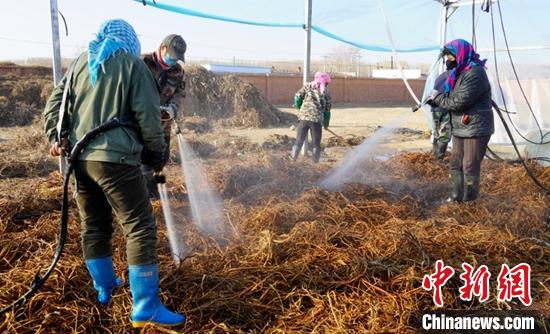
[(206, 204), (176, 246), (352, 167)]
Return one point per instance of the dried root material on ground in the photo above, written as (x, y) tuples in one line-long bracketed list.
[(24, 154), (222, 145), (196, 124), (301, 259), (349, 140), (278, 142), (253, 180)]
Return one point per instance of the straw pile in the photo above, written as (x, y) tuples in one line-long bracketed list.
[(228, 100), (225, 99), (21, 98), (301, 260)]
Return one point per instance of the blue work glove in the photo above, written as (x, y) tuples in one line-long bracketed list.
[(171, 109)]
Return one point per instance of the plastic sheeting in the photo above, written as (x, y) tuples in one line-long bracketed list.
[(527, 96), (416, 28)]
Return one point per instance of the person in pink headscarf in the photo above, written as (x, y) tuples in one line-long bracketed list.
[(314, 104)]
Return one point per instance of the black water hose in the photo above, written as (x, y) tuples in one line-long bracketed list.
[(38, 280), (72, 159), (521, 159)]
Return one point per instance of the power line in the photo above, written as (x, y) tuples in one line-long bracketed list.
[(210, 46), (34, 42), (520, 85), (499, 113)]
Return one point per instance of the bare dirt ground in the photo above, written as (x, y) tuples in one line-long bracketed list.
[(346, 120), (351, 120)]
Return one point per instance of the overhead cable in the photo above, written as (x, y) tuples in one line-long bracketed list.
[(322, 31)]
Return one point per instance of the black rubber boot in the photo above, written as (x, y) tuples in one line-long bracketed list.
[(457, 186), (471, 187), (440, 150), (316, 154), (294, 153)]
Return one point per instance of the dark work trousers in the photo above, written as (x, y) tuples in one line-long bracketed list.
[(105, 188), (316, 131), (467, 154)]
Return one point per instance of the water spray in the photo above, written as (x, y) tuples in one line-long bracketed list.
[(351, 168), (176, 247), (206, 204)]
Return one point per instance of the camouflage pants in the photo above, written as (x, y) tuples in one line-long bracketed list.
[(442, 127), (105, 188)]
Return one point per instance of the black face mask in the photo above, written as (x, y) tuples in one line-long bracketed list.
[(450, 64)]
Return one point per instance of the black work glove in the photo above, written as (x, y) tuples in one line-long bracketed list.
[(430, 100), (153, 158)]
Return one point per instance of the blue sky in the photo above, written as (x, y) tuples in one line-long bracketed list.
[(25, 26)]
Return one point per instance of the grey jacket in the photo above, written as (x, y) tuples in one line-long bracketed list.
[(471, 96)]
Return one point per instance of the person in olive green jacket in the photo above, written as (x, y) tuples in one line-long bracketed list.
[(108, 81)]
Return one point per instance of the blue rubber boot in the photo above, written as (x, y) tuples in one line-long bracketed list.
[(103, 275), (144, 284)]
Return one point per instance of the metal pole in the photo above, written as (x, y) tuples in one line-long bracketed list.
[(56, 60), (443, 36), (307, 58), (307, 27), (55, 43), (442, 68)]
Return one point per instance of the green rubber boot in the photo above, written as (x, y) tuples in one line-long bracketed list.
[(471, 187)]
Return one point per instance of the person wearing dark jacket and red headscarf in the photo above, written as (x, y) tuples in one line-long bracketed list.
[(468, 98)]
